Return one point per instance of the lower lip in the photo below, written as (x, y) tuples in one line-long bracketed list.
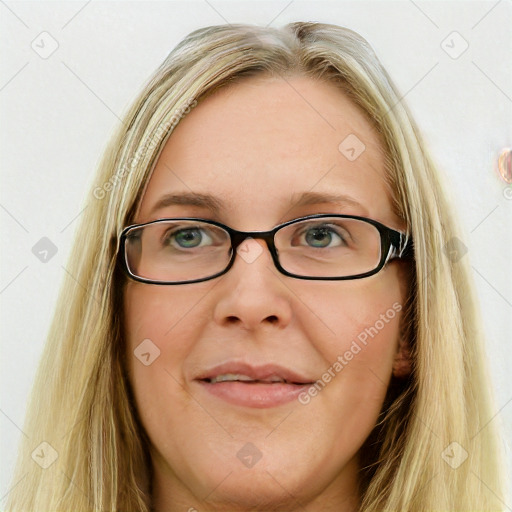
[(258, 395)]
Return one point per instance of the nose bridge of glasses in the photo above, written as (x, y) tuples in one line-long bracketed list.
[(242, 242)]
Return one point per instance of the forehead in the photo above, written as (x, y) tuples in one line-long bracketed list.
[(261, 146)]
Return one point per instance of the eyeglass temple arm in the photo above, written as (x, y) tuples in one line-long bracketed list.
[(404, 248)]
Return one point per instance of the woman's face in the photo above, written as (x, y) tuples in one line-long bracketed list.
[(256, 147)]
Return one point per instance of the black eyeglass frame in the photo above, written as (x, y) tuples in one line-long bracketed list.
[(394, 244)]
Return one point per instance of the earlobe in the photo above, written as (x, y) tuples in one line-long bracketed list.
[(402, 365)]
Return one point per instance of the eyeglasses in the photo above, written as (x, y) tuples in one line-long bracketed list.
[(320, 247)]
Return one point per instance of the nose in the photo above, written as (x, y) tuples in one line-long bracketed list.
[(252, 294)]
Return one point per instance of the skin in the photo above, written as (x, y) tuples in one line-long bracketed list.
[(256, 145)]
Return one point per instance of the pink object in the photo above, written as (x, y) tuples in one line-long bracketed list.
[(505, 165)]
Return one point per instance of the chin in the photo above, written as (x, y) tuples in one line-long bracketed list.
[(255, 490)]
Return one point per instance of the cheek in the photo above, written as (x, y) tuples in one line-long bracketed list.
[(170, 318), (348, 398), (359, 318), (358, 348), (364, 359), (160, 331)]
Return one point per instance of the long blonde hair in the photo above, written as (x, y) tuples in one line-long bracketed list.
[(81, 403)]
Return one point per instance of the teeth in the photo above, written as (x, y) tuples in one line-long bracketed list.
[(227, 377), (230, 377)]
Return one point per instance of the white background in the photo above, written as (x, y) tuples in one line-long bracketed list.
[(57, 114)]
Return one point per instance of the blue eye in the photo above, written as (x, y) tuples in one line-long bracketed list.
[(322, 236), (189, 238)]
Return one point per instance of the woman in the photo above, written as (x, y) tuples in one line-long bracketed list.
[(271, 316)]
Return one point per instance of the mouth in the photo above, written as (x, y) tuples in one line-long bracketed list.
[(233, 377), (252, 386)]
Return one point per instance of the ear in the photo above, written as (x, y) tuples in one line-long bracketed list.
[(402, 365)]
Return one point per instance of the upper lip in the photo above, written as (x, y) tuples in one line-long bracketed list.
[(256, 372)]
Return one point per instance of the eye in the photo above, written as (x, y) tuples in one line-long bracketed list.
[(322, 236), (188, 238)]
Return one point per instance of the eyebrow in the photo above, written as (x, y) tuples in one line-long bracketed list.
[(216, 205)]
